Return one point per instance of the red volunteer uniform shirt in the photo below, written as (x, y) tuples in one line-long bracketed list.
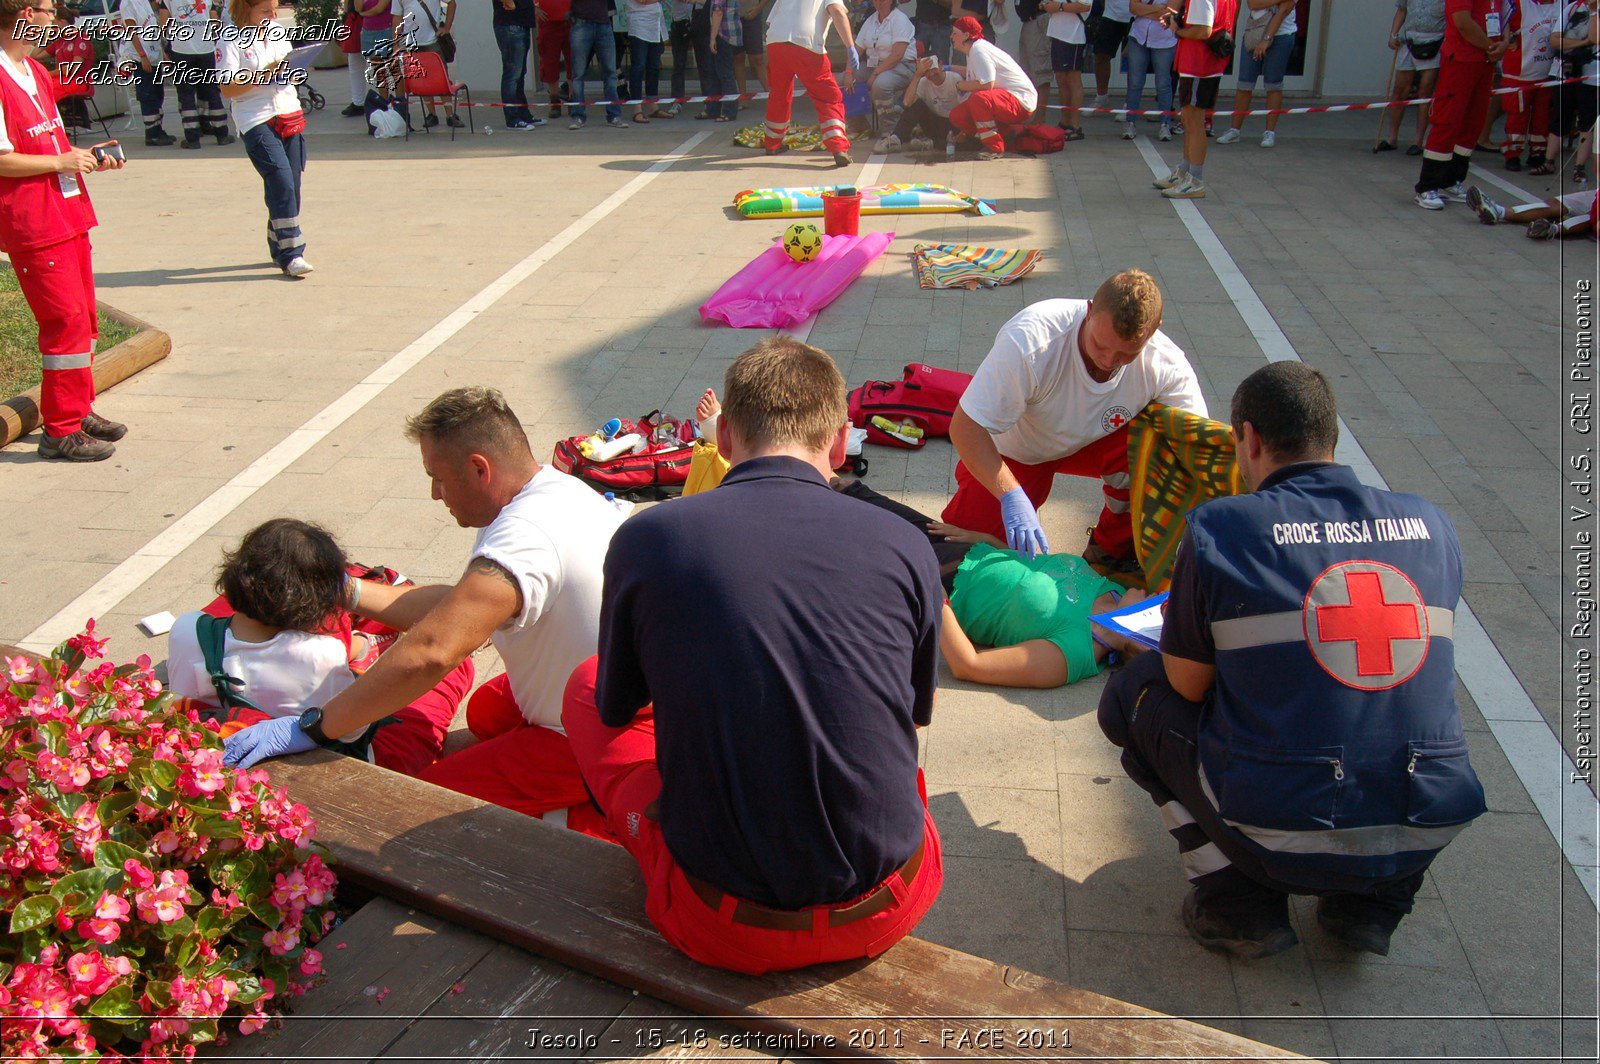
[(1456, 48), (45, 209), (1195, 58)]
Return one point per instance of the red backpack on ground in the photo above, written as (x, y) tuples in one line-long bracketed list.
[(925, 395), (1040, 139), (657, 472)]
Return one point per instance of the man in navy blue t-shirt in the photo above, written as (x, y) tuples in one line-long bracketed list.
[(767, 652)]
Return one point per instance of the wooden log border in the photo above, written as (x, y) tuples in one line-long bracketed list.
[(19, 415)]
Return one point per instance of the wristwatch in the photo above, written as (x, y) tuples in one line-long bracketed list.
[(311, 723)]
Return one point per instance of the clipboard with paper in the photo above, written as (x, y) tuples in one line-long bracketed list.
[(1140, 621), (301, 58)]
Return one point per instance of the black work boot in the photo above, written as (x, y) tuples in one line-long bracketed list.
[(1246, 939), (158, 138), (1354, 923)]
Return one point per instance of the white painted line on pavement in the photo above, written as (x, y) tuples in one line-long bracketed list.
[(1568, 808), (1522, 194), (148, 560)]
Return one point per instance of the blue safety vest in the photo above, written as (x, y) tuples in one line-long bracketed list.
[(1332, 741)]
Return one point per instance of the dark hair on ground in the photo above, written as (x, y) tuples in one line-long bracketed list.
[(1292, 408), (285, 573), (783, 391), (476, 420)]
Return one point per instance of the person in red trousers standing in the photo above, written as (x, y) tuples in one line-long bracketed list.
[(45, 218), (797, 32), (1473, 43)]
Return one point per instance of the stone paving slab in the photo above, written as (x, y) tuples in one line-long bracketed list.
[(1435, 330)]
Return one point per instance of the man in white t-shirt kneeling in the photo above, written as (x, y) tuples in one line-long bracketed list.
[(1002, 93), (1054, 395), (532, 586)]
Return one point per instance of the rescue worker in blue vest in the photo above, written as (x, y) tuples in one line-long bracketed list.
[(1299, 729)]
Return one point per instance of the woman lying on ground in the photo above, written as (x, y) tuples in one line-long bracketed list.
[(288, 647)]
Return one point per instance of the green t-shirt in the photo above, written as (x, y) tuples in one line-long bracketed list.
[(1002, 599)]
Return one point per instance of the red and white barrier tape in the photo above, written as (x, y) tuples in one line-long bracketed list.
[(662, 101)]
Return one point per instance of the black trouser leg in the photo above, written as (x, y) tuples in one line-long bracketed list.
[(948, 553)]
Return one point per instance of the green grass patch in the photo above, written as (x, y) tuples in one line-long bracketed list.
[(19, 338)]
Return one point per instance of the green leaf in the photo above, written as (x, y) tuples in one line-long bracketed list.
[(125, 670), (98, 711), (159, 993), (116, 806), (185, 954), (265, 911), (114, 855), (34, 912), (90, 882), (177, 929), (163, 775), (116, 1005), (212, 921), (218, 828)]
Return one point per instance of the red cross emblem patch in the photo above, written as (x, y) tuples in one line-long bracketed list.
[(1366, 624), (1115, 418)]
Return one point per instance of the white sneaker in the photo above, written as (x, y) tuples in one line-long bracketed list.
[(1456, 193), (297, 267), (1488, 211), (576, 123), (1230, 137), (1128, 132), (1268, 139), (1103, 102), (1166, 132), (886, 144), (1172, 180), (1429, 201), (919, 144), (1190, 189)]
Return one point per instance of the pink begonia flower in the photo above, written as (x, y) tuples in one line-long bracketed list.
[(162, 906), (139, 877), (111, 907), (226, 902), (101, 931), (252, 1023), (310, 962), (91, 975), (281, 940), (87, 643), (166, 840), (50, 954), (19, 670), (209, 777)]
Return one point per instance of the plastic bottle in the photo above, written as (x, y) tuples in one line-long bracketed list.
[(610, 429), (622, 506)]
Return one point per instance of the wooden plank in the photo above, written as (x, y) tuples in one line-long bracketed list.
[(514, 1005), (395, 966), (580, 902)]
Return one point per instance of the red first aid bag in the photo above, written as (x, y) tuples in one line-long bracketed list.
[(652, 474), (925, 395), (1041, 140)]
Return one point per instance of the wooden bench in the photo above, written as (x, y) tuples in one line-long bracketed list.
[(580, 902)]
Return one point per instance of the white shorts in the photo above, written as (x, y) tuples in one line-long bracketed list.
[(1033, 46), (1407, 61)]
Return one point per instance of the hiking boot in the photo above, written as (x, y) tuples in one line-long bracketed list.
[(224, 139), (1365, 935), (101, 428), (841, 158), (1226, 936), (159, 138), (77, 447), (191, 145), (779, 150)]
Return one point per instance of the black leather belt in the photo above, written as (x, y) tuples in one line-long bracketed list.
[(750, 914)]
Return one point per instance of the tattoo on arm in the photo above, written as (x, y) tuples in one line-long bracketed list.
[(486, 567)]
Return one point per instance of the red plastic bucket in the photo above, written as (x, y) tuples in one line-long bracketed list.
[(841, 212)]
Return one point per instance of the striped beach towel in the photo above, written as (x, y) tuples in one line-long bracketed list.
[(1178, 461), (968, 266)]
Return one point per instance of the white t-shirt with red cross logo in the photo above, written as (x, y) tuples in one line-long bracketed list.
[(1034, 394)]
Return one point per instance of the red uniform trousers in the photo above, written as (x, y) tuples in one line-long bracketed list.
[(554, 41), (785, 62), (984, 114), (413, 741), (975, 507), (515, 764), (58, 283), (1527, 117), (620, 765), (1460, 105)]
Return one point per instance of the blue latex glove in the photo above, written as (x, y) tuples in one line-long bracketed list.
[(1023, 533), (271, 738)]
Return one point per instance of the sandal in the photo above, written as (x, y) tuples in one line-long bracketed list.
[(1074, 132), (1544, 169), (640, 118), (723, 118), (661, 113)]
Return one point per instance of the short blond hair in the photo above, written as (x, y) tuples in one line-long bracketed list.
[(475, 419), (782, 391), (1133, 301)]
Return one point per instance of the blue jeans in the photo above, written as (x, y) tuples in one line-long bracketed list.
[(514, 42), (719, 79), (1272, 68), (280, 163), (934, 38), (593, 39), (644, 70), (1142, 60)]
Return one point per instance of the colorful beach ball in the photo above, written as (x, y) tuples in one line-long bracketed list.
[(803, 241)]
